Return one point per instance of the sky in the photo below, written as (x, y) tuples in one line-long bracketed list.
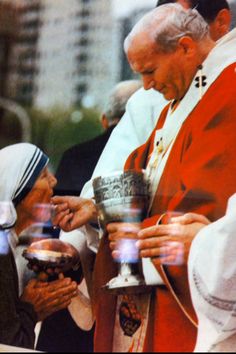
[(123, 7)]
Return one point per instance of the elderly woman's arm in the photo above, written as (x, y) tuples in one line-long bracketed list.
[(17, 318), (39, 300)]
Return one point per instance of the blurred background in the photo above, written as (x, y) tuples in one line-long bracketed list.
[(59, 60)]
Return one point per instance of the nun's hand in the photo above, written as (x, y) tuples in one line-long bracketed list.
[(48, 298), (73, 212), (170, 244)]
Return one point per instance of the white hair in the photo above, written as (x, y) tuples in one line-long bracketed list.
[(116, 105), (166, 24)]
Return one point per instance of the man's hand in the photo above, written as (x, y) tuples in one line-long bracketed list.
[(48, 298), (170, 244), (73, 212), (123, 237)]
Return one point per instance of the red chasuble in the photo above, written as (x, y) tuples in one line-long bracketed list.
[(199, 176)]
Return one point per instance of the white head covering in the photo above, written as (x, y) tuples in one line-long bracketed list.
[(20, 166)]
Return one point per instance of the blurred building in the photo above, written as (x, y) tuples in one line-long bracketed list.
[(65, 54), (24, 54), (8, 33), (126, 25), (57, 54), (103, 52)]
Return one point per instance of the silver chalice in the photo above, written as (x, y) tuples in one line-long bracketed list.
[(124, 197)]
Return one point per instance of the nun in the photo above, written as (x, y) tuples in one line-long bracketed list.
[(25, 180)]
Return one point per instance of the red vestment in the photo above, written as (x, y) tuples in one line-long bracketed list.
[(199, 176)]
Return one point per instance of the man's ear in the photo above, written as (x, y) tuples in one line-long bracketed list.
[(105, 122), (221, 25), (187, 45)]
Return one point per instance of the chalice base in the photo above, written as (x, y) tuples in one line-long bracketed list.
[(127, 285)]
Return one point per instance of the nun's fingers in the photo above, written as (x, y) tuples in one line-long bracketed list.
[(43, 277)]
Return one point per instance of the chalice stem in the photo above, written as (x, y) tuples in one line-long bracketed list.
[(125, 269)]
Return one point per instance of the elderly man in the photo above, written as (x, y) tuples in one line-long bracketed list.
[(142, 111), (144, 107), (174, 184), (173, 52)]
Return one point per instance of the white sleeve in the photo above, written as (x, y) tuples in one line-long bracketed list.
[(212, 276), (80, 308), (142, 112), (151, 275)]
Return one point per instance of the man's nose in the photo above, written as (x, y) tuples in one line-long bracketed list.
[(148, 83)]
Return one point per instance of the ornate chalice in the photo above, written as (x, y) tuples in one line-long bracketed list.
[(124, 197)]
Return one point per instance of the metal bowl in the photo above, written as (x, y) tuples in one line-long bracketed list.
[(51, 254)]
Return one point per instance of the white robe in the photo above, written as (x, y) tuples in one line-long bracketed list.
[(212, 277)]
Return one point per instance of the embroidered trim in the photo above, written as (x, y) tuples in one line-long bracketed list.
[(222, 304)]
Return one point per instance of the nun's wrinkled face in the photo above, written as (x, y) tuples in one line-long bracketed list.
[(41, 192)]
